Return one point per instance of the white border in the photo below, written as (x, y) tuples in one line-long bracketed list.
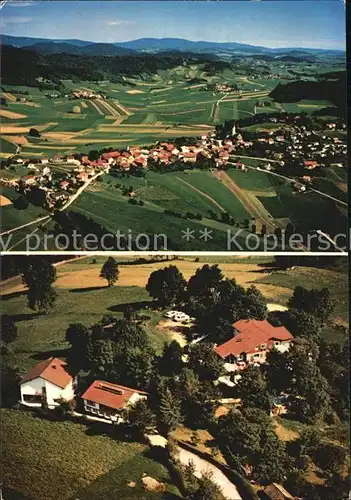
[(145, 253)]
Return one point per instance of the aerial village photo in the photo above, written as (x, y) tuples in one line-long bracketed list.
[(174, 274), (227, 132)]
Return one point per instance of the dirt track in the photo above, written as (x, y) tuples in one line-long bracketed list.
[(250, 202), (212, 200)]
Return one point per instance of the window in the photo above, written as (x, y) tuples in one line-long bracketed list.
[(32, 398), (91, 404)]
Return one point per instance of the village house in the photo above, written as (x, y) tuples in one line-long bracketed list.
[(48, 380), (82, 176), (107, 400), (251, 343), (44, 160), (189, 157), (64, 185), (29, 180), (57, 159), (310, 165), (71, 159)]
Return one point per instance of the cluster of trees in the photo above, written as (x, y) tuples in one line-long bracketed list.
[(215, 301), (325, 89)]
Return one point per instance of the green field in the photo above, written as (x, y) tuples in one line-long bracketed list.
[(46, 334), (170, 98), (47, 460)]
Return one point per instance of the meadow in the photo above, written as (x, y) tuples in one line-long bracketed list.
[(48, 460), (84, 297)]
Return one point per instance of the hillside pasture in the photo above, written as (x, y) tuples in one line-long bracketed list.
[(87, 461)]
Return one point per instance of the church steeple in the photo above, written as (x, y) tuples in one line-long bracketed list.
[(234, 129)]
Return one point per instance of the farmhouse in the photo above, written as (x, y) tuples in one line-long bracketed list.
[(252, 341), (49, 381), (107, 400)]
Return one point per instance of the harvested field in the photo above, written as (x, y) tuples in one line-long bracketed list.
[(4, 202), (96, 107), (9, 96), (5, 113), (138, 275), (250, 202), (16, 139), (135, 91), (13, 129)]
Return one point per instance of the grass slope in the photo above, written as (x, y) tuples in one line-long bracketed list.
[(47, 460)]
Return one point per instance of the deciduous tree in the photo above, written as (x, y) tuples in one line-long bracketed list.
[(167, 286), (39, 277), (110, 271)]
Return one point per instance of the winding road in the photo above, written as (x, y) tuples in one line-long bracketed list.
[(288, 179), (202, 467), (45, 220)]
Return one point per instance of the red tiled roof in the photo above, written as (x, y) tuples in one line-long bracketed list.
[(309, 163), (111, 154), (251, 334), (52, 369), (110, 395)]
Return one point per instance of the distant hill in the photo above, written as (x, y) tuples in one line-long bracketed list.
[(91, 49), (331, 87), (154, 45), (30, 65)]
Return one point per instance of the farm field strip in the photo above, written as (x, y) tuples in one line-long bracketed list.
[(250, 202), (212, 200), (98, 109)]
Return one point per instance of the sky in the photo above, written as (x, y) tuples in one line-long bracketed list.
[(279, 23)]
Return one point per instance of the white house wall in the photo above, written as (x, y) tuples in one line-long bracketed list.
[(53, 392)]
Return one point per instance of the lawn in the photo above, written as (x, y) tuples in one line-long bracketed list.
[(43, 336), (48, 460)]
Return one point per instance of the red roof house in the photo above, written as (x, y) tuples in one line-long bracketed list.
[(253, 340), (48, 379), (107, 400)]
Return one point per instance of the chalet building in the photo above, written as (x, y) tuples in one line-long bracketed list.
[(48, 380), (107, 400), (252, 341)]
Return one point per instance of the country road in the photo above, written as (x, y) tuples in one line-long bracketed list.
[(47, 218), (202, 466)]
